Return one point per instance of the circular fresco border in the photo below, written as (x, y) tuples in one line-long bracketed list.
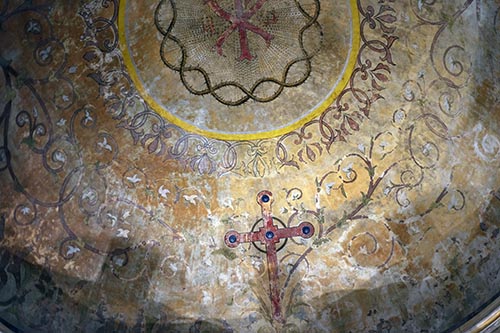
[(342, 82)]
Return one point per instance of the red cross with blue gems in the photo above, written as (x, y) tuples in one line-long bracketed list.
[(269, 235), (239, 20)]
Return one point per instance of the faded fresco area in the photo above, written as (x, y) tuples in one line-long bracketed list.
[(113, 218)]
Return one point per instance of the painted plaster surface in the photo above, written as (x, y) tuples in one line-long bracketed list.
[(112, 218), (223, 91)]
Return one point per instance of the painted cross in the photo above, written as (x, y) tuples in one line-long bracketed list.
[(239, 20), (269, 235)]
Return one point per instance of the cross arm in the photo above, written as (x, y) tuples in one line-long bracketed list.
[(304, 230), (234, 238)]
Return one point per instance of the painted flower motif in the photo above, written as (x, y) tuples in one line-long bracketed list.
[(72, 250), (112, 218), (204, 162), (379, 75), (191, 198), (33, 27), (59, 156), (25, 210), (155, 141), (134, 179), (258, 165), (385, 17), (163, 192), (348, 171), (104, 144), (61, 122), (90, 196), (310, 152), (329, 187), (46, 53), (122, 233), (87, 119)]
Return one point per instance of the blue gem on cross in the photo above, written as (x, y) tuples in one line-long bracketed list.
[(232, 239), (265, 198), (306, 230), (269, 235)]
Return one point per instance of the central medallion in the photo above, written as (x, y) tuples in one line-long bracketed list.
[(239, 69), (238, 50)]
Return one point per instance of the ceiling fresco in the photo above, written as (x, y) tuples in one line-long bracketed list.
[(248, 165), (252, 86)]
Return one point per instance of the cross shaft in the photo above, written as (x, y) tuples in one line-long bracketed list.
[(269, 235)]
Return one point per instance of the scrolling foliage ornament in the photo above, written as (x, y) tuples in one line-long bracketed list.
[(45, 151), (256, 158)]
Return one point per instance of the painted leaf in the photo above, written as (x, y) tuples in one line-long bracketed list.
[(352, 124)]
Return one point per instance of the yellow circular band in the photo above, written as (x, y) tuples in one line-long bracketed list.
[(349, 68)]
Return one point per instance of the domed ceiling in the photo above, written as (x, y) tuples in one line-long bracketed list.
[(248, 165)]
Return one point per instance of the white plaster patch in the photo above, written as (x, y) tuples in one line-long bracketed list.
[(486, 146), (201, 116)]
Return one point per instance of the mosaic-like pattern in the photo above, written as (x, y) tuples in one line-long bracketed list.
[(282, 25), (231, 69)]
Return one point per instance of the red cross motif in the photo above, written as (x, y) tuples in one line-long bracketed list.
[(269, 235), (239, 20)]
